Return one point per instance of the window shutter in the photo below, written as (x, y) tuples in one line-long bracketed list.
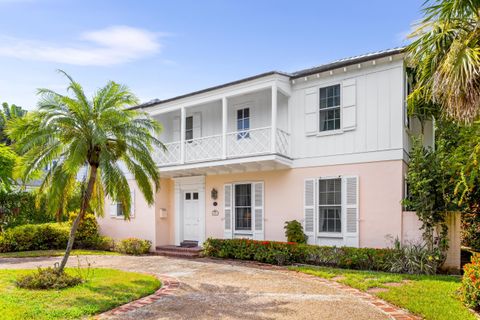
[(197, 125), (349, 104), (227, 195), (258, 204), (132, 203), (309, 210), (176, 129), (311, 110), (350, 209), (113, 209)]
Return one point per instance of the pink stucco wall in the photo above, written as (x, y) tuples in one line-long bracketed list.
[(380, 194), (141, 226)]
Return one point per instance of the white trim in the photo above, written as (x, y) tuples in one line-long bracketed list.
[(189, 183)]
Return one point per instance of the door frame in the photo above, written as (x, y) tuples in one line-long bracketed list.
[(187, 184)]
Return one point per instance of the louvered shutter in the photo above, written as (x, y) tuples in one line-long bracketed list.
[(228, 210), (113, 209), (350, 210), (197, 125), (349, 104), (258, 204), (132, 203), (176, 128), (309, 210), (311, 110)]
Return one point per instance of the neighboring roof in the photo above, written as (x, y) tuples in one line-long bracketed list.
[(294, 75)]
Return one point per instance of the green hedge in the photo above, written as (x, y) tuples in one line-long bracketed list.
[(289, 253), (46, 236)]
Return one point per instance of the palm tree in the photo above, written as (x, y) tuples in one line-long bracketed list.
[(445, 54), (69, 133)]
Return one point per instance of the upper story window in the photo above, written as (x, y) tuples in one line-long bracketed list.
[(189, 128), (329, 108), (330, 205), (243, 123)]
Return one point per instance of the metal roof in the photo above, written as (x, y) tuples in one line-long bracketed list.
[(294, 75)]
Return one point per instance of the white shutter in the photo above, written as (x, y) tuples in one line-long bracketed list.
[(349, 104), (113, 209), (350, 187), (132, 203), (258, 211), (197, 125), (309, 210), (176, 129), (228, 211), (311, 110)]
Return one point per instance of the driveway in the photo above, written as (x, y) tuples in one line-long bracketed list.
[(211, 289)]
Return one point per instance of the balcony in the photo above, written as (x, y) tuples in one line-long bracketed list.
[(247, 143), (219, 134)]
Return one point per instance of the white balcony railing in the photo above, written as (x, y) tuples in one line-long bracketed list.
[(238, 144)]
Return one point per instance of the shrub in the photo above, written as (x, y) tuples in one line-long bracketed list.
[(47, 236), (290, 252), (48, 278), (133, 246), (294, 232), (471, 283), (87, 235), (19, 208), (415, 259)]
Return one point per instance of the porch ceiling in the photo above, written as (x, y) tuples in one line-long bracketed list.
[(248, 164)]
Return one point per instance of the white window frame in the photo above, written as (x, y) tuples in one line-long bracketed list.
[(234, 207), (188, 129), (243, 133), (333, 131), (324, 234)]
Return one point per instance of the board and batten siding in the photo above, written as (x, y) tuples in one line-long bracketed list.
[(379, 110)]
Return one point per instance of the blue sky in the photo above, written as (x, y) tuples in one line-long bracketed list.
[(165, 48)]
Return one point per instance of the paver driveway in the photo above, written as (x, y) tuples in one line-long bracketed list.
[(227, 290)]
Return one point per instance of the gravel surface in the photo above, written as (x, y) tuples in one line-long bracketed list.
[(212, 289)]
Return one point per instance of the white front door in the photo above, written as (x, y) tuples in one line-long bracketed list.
[(191, 217)]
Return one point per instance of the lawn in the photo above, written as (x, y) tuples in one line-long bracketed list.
[(105, 289), (432, 297), (55, 253)]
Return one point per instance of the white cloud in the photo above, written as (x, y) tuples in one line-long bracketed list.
[(109, 46)]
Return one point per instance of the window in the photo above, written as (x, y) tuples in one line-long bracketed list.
[(330, 205), (243, 207), (119, 210), (189, 128), (329, 108), (243, 123)]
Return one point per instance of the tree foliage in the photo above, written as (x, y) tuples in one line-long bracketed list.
[(7, 113), (8, 159), (446, 55), (69, 133)]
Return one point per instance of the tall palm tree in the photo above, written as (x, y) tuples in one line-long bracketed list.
[(445, 54), (69, 133)]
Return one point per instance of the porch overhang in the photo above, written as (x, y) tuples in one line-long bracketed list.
[(228, 166)]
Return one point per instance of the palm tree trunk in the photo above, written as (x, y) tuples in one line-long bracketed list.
[(76, 222)]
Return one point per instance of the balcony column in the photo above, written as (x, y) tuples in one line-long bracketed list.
[(182, 135), (274, 119), (224, 127)]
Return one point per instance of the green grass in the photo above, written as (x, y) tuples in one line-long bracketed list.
[(105, 289), (432, 297), (55, 253)]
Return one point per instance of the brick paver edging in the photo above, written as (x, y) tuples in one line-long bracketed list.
[(392, 311), (169, 284)]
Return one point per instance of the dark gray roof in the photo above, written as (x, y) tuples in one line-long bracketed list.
[(294, 75)]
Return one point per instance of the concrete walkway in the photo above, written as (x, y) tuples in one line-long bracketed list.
[(211, 289)]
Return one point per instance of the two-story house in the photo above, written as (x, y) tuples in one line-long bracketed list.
[(327, 146)]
